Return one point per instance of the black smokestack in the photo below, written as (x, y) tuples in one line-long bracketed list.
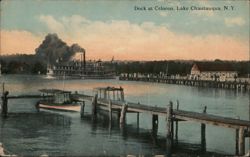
[(75, 48), (53, 49)]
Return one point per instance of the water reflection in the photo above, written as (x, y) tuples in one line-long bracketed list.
[(26, 133), (152, 141)]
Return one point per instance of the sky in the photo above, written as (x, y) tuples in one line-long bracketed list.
[(114, 28)]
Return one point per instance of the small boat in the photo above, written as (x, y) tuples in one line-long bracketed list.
[(59, 100)]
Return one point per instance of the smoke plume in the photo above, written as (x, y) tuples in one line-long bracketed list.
[(53, 50)]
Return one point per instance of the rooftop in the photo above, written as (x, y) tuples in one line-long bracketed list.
[(109, 88), (214, 66), (53, 91)]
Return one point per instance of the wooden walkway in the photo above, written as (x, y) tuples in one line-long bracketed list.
[(179, 114), (200, 83), (242, 127)]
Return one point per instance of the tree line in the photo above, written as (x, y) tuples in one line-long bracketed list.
[(182, 68), (22, 64), (32, 64)]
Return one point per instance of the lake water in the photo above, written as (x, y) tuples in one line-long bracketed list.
[(31, 133)]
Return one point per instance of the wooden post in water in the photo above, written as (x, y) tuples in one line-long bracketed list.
[(94, 103), (110, 111), (172, 129), (122, 94), (37, 106), (113, 95), (203, 133), (237, 142), (241, 141), (123, 114), (105, 94), (3, 90), (118, 115), (155, 124), (168, 127), (138, 120), (5, 104), (82, 109), (176, 124)]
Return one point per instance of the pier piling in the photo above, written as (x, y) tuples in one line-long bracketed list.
[(122, 94), (3, 88), (110, 112), (168, 127), (241, 141), (138, 120), (155, 124), (5, 104), (176, 124), (123, 114), (82, 109), (37, 106), (94, 103), (203, 133), (237, 142)]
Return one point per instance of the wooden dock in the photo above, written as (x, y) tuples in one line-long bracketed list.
[(242, 127), (112, 101), (244, 86)]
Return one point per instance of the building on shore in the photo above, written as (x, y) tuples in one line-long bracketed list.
[(213, 71)]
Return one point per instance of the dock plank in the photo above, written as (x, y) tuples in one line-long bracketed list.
[(179, 114), (154, 110), (27, 96)]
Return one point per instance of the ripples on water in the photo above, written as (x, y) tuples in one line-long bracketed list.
[(28, 132)]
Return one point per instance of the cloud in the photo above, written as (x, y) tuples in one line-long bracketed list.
[(234, 21), (146, 41), (129, 41), (16, 41), (51, 22)]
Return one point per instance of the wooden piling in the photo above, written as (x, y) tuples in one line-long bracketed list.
[(5, 104), (203, 133), (82, 109), (94, 104), (172, 131), (105, 94), (122, 94), (123, 114), (113, 95), (110, 111), (237, 142), (118, 115), (3, 90), (155, 124), (37, 106), (138, 120), (168, 127), (241, 141), (176, 124)]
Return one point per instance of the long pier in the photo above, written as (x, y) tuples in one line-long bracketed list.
[(242, 127), (242, 85), (102, 100)]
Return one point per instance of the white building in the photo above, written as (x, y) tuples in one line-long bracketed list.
[(213, 71)]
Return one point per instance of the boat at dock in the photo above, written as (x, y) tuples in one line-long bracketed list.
[(59, 100), (82, 69)]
